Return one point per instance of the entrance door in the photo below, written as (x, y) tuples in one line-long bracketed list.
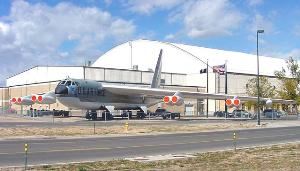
[(189, 110)]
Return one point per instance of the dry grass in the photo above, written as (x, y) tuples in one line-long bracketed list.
[(118, 129), (284, 157)]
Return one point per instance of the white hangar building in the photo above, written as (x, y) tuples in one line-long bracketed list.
[(132, 63)]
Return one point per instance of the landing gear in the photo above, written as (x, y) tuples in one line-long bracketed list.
[(106, 115), (126, 113), (172, 116), (140, 114), (91, 115)]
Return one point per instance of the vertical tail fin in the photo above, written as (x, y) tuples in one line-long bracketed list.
[(157, 72)]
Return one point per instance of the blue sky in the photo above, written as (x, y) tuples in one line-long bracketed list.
[(54, 32)]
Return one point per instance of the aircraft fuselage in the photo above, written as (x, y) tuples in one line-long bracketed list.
[(91, 95)]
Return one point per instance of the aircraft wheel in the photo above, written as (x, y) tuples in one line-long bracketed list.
[(94, 117), (172, 116)]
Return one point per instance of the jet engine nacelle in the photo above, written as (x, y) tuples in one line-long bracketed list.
[(167, 100), (177, 100), (43, 99), (233, 102), (22, 100), (13, 100), (173, 100)]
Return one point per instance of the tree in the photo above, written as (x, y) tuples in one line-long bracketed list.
[(289, 81), (266, 89)]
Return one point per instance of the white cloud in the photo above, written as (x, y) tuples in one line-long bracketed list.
[(149, 35), (260, 22), (200, 18), (204, 18), (169, 37), (4, 28), (148, 6), (255, 2), (35, 34)]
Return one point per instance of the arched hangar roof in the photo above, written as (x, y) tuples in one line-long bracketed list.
[(180, 58)]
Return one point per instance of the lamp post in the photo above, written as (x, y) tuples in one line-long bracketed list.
[(130, 44), (258, 92)]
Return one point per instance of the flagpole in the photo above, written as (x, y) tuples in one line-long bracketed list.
[(226, 109), (207, 88)]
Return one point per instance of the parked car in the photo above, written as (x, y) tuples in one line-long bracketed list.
[(240, 113), (219, 113), (282, 113), (222, 114), (166, 114), (272, 113)]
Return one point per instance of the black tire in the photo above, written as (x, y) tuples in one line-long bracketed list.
[(88, 116), (66, 113), (140, 115), (110, 116), (130, 115), (94, 116), (172, 116), (103, 115)]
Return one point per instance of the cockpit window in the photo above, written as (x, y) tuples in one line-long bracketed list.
[(68, 83), (76, 83), (73, 83), (62, 82)]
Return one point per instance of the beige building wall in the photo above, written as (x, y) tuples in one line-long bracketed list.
[(4, 103), (237, 86)]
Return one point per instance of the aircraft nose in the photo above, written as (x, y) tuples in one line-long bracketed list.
[(61, 89)]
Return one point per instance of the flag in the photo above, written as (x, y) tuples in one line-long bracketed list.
[(219, 69), (203, 71)]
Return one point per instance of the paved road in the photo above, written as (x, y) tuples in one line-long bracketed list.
[(49, 151)]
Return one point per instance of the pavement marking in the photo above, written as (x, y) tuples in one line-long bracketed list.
[(59, 142), (149, 145)]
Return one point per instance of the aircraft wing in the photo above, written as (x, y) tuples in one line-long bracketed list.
[(157, 92)]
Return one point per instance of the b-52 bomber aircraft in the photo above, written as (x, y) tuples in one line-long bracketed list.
[(91, 95)]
